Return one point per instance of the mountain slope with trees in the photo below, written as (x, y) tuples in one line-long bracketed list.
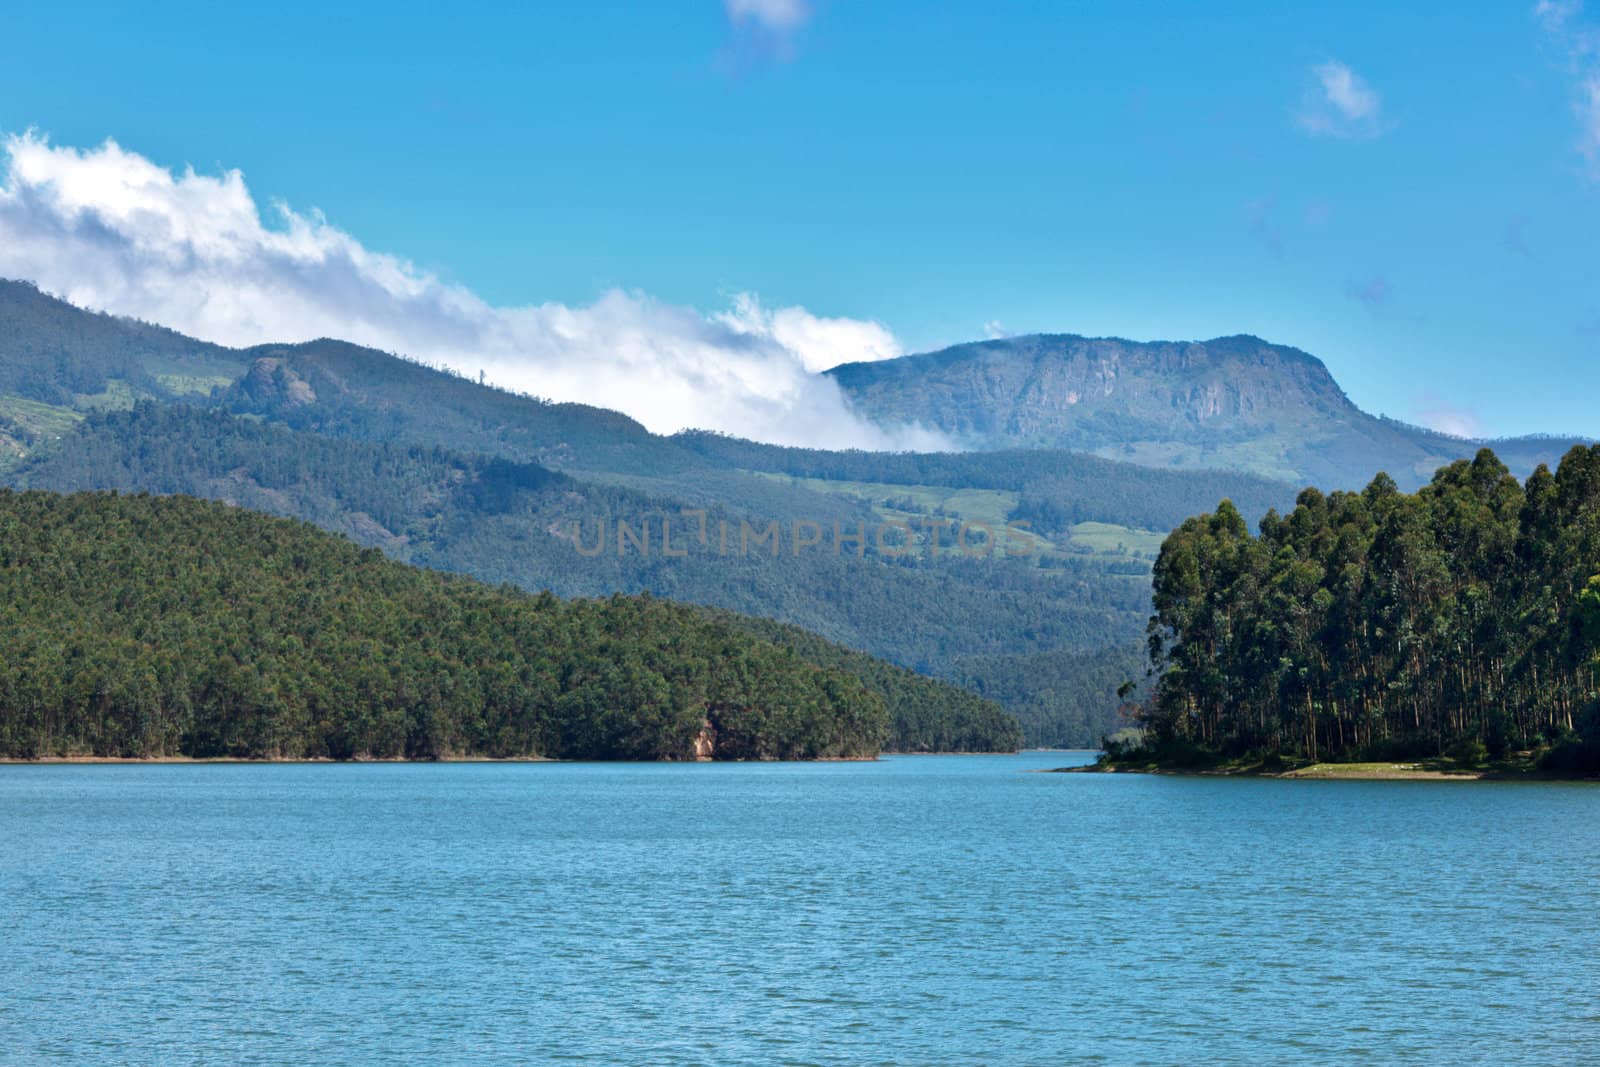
[(158, 626), (925, 715), (57, 354), (488, 517), (522, 524)]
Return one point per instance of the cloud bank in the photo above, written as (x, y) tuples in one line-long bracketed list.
[(819, 343), (1340, 104), (106, 228)]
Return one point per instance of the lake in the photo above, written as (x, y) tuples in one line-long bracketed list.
[(919, 911)]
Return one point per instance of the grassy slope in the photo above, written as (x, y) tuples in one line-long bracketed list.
[(25, 424), (1101, 541)]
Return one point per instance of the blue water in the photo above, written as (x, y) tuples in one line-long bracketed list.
[(919, 911)]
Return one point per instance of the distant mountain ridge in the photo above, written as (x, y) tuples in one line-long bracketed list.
[(1237, 403)]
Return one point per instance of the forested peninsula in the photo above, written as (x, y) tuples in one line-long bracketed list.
[(1459, 624), (151, 627)]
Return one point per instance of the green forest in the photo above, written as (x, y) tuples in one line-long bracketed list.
[(925, 715), (140, 626), (976, 623), (1462, 621)]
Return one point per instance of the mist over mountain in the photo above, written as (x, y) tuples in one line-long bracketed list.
[(1235, 403), (108, 228)]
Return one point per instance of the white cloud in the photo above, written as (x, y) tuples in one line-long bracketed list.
[(1340, 104), (107, 228), (1437, 414), (995, 330), (778, 15), (1588, 108), (1557, 9), (1556, 14), (820, 343), (1579, 41), (761, 31)]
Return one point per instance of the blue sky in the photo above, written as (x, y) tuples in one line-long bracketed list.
[(1401, 190)]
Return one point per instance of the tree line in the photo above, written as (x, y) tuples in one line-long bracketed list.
[(1378, 624)]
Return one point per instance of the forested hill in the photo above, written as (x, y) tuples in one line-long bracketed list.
[(514, 522), (59, 355), (1464, 618), (59, 362), (924, 715), (1235, 403), (345, 390), (156, 626)]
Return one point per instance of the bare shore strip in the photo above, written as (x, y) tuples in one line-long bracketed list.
[(117, 761), (58, 761), (1415, 770)]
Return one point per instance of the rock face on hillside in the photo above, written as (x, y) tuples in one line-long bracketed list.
[(1061, 390), (1233, 402), (272, 385)]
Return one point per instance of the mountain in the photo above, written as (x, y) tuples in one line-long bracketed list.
[(59, 362), (439, 471), (344, 390), (59, 355), (1237, 403)]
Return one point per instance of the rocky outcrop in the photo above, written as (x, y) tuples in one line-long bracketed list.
[(270, 384), (705, 742), (1236, 403), (1060, 390)]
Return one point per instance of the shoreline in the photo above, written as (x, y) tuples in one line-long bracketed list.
[(1382, 771), (117, 761)]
